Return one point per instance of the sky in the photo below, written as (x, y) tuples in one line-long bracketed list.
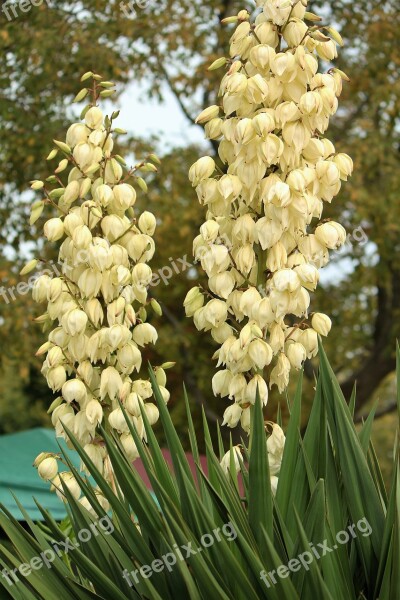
[(143, 116)]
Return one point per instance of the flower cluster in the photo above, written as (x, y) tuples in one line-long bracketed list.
[(263, 240), (275, 448), (97, 307)]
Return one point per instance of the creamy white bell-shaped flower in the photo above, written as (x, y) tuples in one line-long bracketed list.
[(147, 223), (278, 11), (232, 415), (96, 456), (77, 132), (69, 481), (110, 383), (104, 194), (94, 412), (129, 446), (144, 334), (94, 117), (220, 382), (308, 275), (209, 230), (40, 288), (215, 312), (257, 385), (230, 186), (280, 373), (193, 301), (321, 323), (124, 196), (117, 421), (245, 258), (296, 354), (133, 404), (48, 468), (54, 229), (71, 192), (331, 234), (113, 171), (207, 114), (260, 353), (309, 339), (222, 284), (345, 165), (276, 441), (74, 389), (226, 460), (152, 412), (250, 332), (201, 169), (286, 280), (249, 300), (274, 483), (129, 357), (74, 321)]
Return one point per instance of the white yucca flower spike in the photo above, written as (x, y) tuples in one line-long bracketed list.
[(97, 305), (264, 239)]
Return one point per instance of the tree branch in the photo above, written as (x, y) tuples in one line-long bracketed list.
[(174, 91)]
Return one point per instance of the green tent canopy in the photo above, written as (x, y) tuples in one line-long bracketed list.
[(19, 477)]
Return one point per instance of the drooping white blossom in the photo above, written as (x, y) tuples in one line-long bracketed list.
[(264, 238)]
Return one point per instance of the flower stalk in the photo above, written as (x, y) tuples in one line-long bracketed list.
[(264, 239), (98, 305)]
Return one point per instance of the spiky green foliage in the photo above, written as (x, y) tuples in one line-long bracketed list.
[(329, 480)]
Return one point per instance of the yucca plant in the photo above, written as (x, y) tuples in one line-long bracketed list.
[(331, 531)]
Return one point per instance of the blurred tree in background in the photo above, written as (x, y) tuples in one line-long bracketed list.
[(168, 44)]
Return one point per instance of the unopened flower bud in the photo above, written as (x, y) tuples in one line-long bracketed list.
[(48, 468), (321, 323), (54, 229), (147, 223), (207, 114)]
